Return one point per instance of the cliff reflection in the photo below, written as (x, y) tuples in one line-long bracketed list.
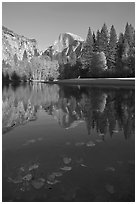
[(102, 110)]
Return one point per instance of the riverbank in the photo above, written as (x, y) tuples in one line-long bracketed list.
[(98, 81)]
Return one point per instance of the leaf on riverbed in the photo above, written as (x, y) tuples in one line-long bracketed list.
[(57, 174), (83, 165), (115, 131), (66, 160), (53, 182), (28, 177), (39, 183), (110, 168), (90, 144), (110, 188), (99, 140), (66, 168), (16, 181), (29, 142), (101, 134), (79, 144), (34, 166)]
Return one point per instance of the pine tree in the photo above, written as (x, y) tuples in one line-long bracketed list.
[(129, 34), (126, 49), (112, 45), (120, 46), (103, 42), (87, 51), (98, 41), (94, 43)]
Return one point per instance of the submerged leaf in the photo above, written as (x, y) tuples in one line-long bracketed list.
[(39, 183), (83, 165), (57, 174), (110, 169), (99, 140), (53, 182), (28, 177), (16, 181), (110, 188), (67, 160), (66, 168), (90, 144), (34, 166), (79, 144)]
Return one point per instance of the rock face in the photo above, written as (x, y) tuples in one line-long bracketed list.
[(13, 43), (66, 49)]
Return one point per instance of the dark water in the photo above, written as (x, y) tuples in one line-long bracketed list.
[(68, 143)]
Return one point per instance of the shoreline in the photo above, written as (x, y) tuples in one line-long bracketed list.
[(96, 81)]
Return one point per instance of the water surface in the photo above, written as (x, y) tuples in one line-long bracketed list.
[(68, 143)]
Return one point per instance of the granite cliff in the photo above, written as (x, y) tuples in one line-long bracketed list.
[(13, 43), (67, 49)]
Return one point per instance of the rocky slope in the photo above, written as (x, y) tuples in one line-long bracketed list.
[(66, 49), (13, 43)]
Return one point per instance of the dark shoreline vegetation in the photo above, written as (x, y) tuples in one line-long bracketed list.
[(102, 56)]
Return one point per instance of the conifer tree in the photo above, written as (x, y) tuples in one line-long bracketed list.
[(94, 42), (112, 45), (87, 51), (120, 46), (98, 41), (129, 34), (103, 42)]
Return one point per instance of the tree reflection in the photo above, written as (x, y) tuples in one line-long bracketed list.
[(102, 109)]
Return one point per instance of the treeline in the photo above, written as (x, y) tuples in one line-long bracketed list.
[(104, 54), (37, 68)]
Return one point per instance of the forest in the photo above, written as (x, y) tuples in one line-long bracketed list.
[(104, 54)]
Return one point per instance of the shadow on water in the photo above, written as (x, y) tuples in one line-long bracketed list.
[(88, 153)]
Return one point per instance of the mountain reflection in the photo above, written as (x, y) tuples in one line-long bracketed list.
[(102, 109)]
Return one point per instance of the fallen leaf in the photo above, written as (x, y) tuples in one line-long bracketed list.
[(34, 166), (78, 144), (39, 183), (28, 177), (66, 168), (16, 181), (110, 169), (99, 140), (90, 144), (53, 182), (66, 160), (57, 174), (83, 165)]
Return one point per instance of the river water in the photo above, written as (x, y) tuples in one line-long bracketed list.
[(68, 143)]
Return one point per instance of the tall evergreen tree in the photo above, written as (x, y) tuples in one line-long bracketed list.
[(112, 45), (94, 43), (98, 36), (87, 51), (120, 46), (103, 42), (129, 34)]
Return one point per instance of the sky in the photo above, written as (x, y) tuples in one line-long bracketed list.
[(44, 21)]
